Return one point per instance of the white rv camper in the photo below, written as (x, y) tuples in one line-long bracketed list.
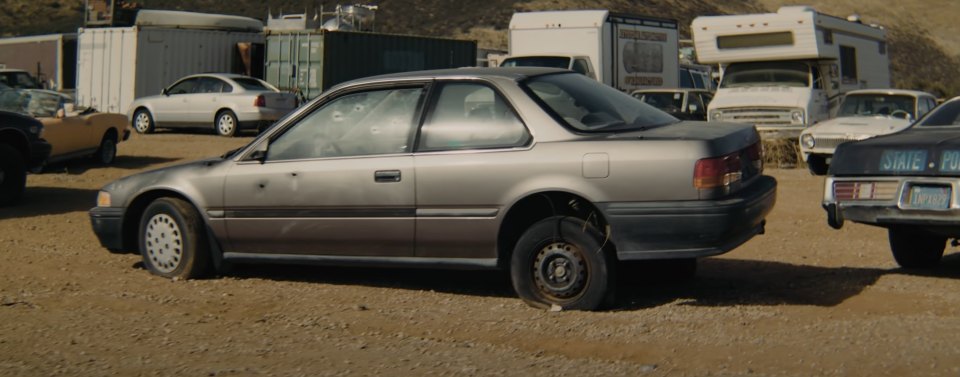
[(624, 51), (788, 70), (119, 64)]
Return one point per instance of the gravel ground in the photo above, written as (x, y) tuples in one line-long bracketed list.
[(801, 300)]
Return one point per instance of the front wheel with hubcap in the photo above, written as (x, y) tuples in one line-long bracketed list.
[(916, 249), (143, 121), (173, 240), (563, 261), (226, 123)]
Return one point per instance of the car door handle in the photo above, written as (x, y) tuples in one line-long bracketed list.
[(386, 176)]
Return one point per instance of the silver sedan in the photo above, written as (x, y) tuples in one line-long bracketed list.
[(543, 172), (225, 102)]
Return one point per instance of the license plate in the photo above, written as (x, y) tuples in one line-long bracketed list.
[(929, 197)]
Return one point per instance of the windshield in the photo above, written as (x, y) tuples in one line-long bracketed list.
[(18, 79), (947, 114), (793, 74), (587, 105), (37, 103), (876, 104), (666, 101), (538, 61), (252, 84)]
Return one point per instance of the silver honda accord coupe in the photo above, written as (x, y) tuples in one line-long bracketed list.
[(542, 172)]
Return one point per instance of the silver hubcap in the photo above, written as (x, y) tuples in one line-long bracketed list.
[(225, 124), (143, 122), (560, 271), (164, 243)]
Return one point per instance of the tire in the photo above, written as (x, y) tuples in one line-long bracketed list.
[(563, 261), (107, 152), (226, 123), (817, 164), (173, 240), (916, 249), (13, 175), (143, 122)]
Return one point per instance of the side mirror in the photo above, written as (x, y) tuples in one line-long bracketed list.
[(693, 108), (260, 153), (61, 113), (68, 108)]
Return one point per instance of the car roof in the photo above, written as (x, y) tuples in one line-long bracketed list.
[(670, 90), (512, 73), (892, 92), (218, 75)]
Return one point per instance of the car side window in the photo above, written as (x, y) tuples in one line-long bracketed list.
[(210, 85), (362, 123), (922, 106), (184, 87), (471, 116)]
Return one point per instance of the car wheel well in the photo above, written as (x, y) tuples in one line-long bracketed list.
[(221, 111), (131, 219), (535, 207), (112, 134)]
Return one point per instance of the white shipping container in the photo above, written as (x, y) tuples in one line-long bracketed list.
[(119, 64)]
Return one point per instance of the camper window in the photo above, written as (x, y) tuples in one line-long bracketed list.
[(848, 64)]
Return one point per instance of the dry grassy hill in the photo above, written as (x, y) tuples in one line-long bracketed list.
[(924, 35)]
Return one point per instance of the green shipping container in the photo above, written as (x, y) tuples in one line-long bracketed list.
[(313, 61)]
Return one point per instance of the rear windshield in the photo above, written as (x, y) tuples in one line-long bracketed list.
[(538, 61), (586, 105), (947, 114), (252, 84)]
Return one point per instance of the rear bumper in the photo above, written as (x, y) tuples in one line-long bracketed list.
[(689, 229), (108, 226)]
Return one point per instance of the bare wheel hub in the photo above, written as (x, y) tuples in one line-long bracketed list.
[(559, 270), (164, 242)]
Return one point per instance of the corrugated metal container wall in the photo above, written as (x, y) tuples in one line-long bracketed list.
[(117, 65), (324, 59), (106, 68)]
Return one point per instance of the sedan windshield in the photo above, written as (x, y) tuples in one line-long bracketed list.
[(766, 74), (876, 104), (587, 105)]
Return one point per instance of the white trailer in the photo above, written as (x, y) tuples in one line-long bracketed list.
[(626, 52), (788, 70), (119, 64)]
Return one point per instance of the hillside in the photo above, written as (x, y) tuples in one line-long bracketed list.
[(924, 38)]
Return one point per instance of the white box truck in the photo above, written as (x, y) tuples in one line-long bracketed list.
[(119, 64), (787, 70), (626, 52)]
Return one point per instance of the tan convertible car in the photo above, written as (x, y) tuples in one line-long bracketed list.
[(71, 132)]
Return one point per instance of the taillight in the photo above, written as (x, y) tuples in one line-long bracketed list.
[(755, 154), (261, 101), (717, 172)]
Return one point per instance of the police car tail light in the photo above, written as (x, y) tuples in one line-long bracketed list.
[(717, 172), (864, 190)]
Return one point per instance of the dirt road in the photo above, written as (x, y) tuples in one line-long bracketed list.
[(801, 300)]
